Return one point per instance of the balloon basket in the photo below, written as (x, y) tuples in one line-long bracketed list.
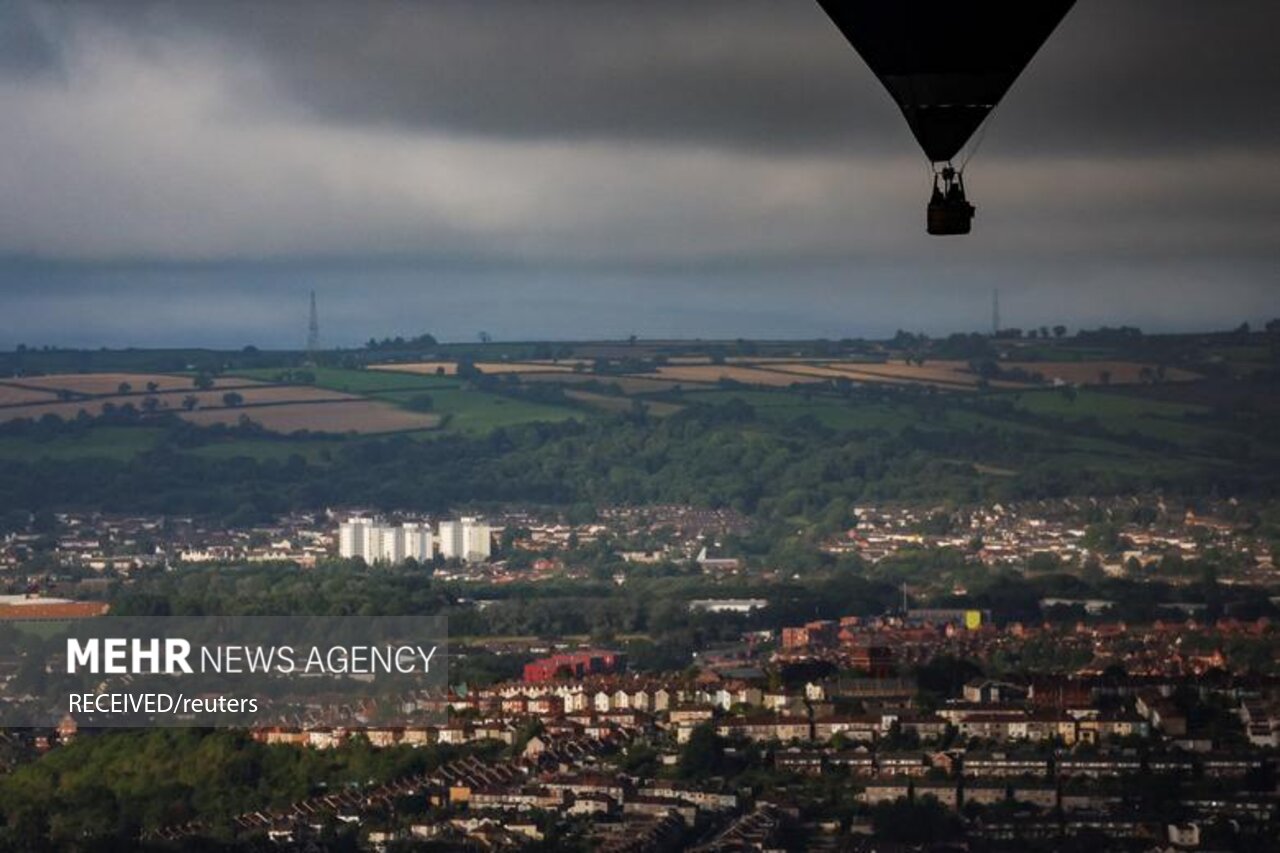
[(950, 218)]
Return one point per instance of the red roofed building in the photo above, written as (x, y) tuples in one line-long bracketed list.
[(572, 665), (820, 634), (874, 659)]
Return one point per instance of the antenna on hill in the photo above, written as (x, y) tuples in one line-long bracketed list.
[(995, 312), (313, 331)]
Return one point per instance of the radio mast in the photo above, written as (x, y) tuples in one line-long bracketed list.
[(313, 331)]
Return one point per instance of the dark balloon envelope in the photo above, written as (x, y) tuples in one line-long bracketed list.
[(947, 65)]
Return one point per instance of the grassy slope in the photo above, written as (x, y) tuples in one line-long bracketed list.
[(113, 442), (474, 412), (1123, 414)]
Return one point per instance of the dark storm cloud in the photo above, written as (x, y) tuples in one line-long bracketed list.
[(27, 47), (1147, 77), (1124, 76)]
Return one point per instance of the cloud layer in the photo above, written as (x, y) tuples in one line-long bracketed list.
[(711, 144)]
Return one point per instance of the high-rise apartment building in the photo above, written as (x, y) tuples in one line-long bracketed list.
[(379, 543), (476, 541), (466, 539), (352, 538), (418, 543), (451, 541)]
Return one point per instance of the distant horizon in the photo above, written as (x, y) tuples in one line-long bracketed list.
[(640, 339), (217, 306)]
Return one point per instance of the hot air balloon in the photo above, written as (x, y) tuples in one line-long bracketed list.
[(946, 63)]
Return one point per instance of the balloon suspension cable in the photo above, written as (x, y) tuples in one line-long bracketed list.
[(981, 137)]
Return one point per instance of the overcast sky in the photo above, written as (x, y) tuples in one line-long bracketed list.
[(185, 172)]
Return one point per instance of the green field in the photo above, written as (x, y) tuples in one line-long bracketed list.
[(1116, 414), (1122, 414), (1103, 404), (615, 404), (267, 449), (112, 442), (473, 412), (125, 442)]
